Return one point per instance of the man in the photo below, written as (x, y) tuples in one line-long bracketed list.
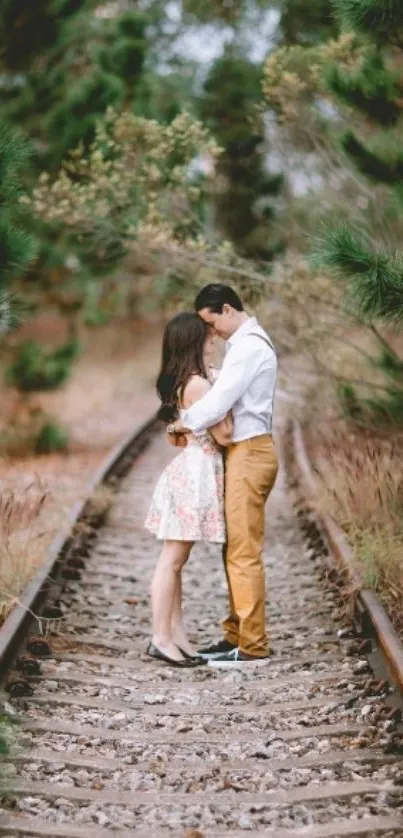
[(245, 385)]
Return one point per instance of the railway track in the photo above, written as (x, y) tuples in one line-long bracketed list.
[(111, 743)]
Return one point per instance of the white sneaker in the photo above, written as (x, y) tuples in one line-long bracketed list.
[(235, 659)]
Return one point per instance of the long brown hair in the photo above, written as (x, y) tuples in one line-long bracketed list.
[(182, 357)]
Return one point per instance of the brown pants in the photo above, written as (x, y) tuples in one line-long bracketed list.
[(250, 471)]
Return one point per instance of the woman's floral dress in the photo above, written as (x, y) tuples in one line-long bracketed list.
[(188, 501)]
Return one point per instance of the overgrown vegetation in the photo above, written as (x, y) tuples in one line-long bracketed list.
[(19, 511), (363, 490), (339, 99), (37, 369)]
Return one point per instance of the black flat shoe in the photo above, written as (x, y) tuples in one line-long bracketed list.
[(197, 658), (188, 663)]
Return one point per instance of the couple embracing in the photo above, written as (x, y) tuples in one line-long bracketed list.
[(215, 490)]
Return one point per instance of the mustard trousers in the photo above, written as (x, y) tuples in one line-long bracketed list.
[(250, 471)]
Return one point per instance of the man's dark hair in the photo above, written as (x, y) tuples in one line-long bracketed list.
[(215, 296)]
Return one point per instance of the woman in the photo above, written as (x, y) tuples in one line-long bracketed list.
[(188, 502)]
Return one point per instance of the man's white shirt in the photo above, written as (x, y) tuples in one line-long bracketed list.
[(246, 384)]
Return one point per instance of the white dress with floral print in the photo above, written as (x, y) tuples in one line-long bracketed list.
[(188, 501)]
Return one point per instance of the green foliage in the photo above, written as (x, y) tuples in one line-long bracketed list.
[(38, 369), (374, 90), (381, 169), (297, 75), (79, 65), (361, 68), (376, 18), (10, 312), (75, 119), (52, 437), (164, 97), (125, 56), (14, 152), (306, 23), (389, 363), (219, 11), (17, 247), (26, 29), (231, 91), (349, 401), (134, 181), (229, 107), (374, 277), (386, 411), (382, 410)]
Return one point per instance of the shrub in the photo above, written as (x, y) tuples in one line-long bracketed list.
[(37, 369), (52, 437)]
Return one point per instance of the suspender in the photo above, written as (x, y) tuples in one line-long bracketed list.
[(265, 338)]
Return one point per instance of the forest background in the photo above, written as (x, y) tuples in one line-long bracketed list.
[(147, 148)]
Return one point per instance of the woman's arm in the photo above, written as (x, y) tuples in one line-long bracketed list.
[(195, 389)]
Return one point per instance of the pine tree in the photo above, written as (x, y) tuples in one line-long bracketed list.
[(243, 199), (17, 247), (371, 271), (63, 65), (374, 93), (360, 75), (220, 12), (305, 23)]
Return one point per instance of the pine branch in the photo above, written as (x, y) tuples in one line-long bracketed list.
[(14, 153), (374, 89), (371, 164), (374, 278), (375, 18), (384, 343), (12, 312), (17, 249)]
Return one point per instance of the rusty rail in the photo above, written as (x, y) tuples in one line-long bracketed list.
[(341, 557), (15, 627)]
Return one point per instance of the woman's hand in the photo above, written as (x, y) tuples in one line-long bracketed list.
[(177, 440), (177, 427)]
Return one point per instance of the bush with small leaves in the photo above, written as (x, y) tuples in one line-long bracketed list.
[(134, 180), (52, 437), (35, 368)]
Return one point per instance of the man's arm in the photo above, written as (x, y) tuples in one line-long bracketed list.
[(238, 370)]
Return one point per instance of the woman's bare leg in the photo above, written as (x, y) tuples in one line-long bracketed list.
[(179, 635), (173, 556)]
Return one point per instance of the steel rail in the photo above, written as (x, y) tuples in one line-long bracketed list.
[(367, 607), (114, 465)]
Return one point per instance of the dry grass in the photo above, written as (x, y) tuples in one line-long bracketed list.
[(101, 500), (362, 488), (20, 542)]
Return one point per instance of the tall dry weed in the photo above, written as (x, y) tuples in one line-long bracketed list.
[(362, 488), (20, 540)]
